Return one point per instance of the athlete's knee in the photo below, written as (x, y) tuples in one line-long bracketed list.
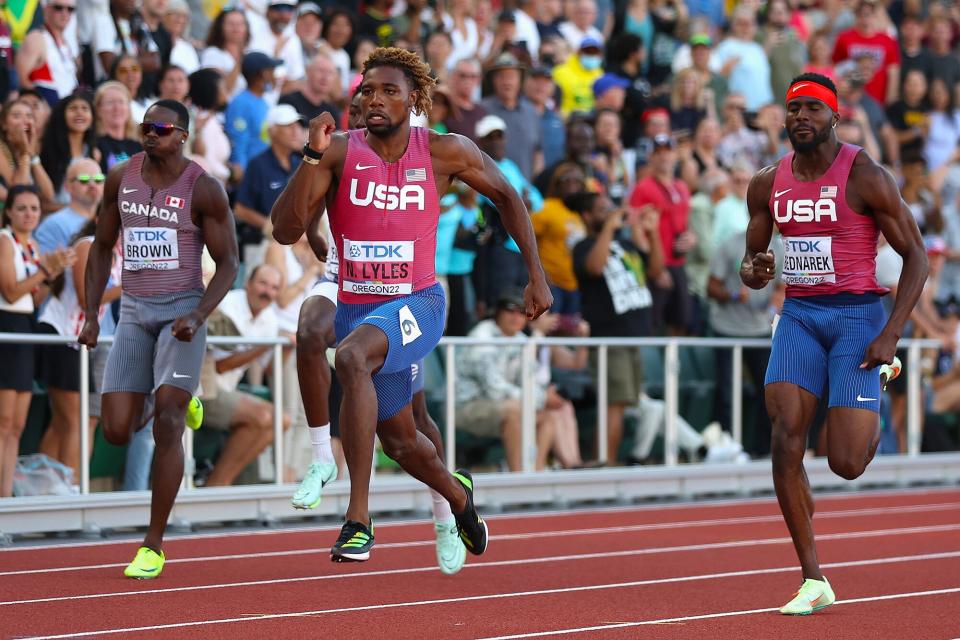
[(352, 362), (116, 432), (787, 448), (168, 424), (314, 338), (399, 449), (846, 467)]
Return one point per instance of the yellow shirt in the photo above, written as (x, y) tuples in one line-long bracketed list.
[(576, 85), (558, 230)]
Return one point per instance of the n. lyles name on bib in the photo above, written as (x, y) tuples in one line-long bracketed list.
[(808, 260), (377, 267), (150, 248)]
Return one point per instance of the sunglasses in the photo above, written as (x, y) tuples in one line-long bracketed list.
[(62, 7), (162, 129), (84, 178)]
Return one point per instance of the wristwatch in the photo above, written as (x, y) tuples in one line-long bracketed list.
[(311, 156), (35, 160)]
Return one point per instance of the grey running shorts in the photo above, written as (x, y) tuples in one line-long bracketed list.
[(145, 355)]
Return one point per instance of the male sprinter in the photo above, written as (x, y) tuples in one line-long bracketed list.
[(391, 308), (314, 336), (829, 201), (166, 208)]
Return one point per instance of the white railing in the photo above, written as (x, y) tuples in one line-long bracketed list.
[(529, 346)]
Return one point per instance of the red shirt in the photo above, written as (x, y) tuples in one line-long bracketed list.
[(880, 47), (674, 205)]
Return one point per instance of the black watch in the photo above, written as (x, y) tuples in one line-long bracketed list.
[(311, 153)]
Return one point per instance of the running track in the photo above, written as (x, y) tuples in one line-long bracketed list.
[(702, 571)]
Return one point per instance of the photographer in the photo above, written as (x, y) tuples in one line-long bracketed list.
[(613, 272)]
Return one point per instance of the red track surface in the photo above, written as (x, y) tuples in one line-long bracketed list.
[(701, 571)]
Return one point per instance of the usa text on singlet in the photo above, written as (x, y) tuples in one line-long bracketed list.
[(384, 221), (827, 246), (162, 247)]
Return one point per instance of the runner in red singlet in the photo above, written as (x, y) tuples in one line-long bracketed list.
[(391, 308), (829, 201)]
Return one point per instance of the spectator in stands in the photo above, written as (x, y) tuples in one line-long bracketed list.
[(246, 113), (819, 59), (247, 313), (744, 62), (462, 294), (690, 102), (946, 379), (943, 133), (580, 149), (785, 50), (176, 21), (308, 29), (701, 57), (740, 143), (946, 65), (558, 230), (226, 43), (505, 79), (579, 25), (613, 273), (610, 92), (671, 198), (438, 52), (527, 33), (117, 137), (539, 91), (173, 84), (908, 115), (712, 189), (123, 31), (127, 71), (19, 149), (703, 153), (464, 85), (616, 165), (41, 109), (152, 12), (270, 170), (625, 55), (47, 59), (210, 146), (503, 263), (362, 51), (923, 201), (70, 134), (575, 77), (852, 97), (459, 23), (417, 21), (442, 107), (656, 122), (490, 388), (913, 55), (736, 311), (338, 34), (25, 275), (549, 16), (270, 35), (730, 215), (84, 186), (865, 39), (318, 92)]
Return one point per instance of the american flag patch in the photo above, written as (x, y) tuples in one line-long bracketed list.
[(416, 175), (828, 192), (173, 201)]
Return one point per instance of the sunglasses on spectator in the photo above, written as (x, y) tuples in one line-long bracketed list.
[(84, 178), (62, 7), (162, 129)]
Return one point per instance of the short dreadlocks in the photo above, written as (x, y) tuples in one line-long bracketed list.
[(416, 71)]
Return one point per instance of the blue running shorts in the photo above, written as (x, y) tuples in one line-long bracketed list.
[(413, 325), (822, 340)]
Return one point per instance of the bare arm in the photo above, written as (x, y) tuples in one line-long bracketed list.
[(251, 216), (305, 192), (213, 209), (893, 83), (758, 267), (241, 359), (100, 254), (30, 56), (317, 235), (12, 289), (82, 250)]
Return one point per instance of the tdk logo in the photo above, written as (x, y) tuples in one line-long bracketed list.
[(802, 246), (376, 252), (387, 197), (806, 210), (147, 235)]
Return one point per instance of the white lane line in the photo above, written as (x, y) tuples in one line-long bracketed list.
[(516, 594), (734, 502), (683, 524), (723, 614), (497, 563)]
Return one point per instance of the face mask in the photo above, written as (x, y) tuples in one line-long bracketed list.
[(590, 63)]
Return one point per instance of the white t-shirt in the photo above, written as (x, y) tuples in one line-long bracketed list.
[(265, 325), (264, 40), (184, 56), (107, 38), (573, 35), (215, 58)]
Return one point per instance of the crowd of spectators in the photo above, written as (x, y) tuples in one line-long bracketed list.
[(631, 129)]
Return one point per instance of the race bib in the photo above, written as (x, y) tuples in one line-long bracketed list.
[(377, 267), (150, 248), (808, 261)]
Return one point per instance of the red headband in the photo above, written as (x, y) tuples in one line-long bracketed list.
[(807, 89)]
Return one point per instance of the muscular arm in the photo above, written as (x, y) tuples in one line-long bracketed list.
[(213, 211), (30, 56), (760, 227), (317, 235), (304, 194), (101, 251)]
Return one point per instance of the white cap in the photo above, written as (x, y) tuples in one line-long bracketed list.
[(489, 124), (282, 114)]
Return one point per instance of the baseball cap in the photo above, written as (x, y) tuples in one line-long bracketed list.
[(255, 62), (281, 115), (609, 81), (511, 301), (281, 3), (663, 141), (541, 71), (309, 7), (590, 42), (489, 124), (701, 39)]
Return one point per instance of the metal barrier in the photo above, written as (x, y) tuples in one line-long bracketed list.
[(529, 347)]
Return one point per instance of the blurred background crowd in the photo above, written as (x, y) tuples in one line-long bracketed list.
[(631, 128)]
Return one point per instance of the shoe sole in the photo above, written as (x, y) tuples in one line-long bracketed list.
[(811, 612), (350, 557), (300, 505)]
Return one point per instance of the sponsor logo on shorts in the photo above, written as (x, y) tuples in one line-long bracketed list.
[(409, 328)]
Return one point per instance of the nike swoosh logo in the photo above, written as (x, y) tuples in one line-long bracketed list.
[(372, 317), (780, 193), (862, 399), (800, 86), (179, 375), (126, 191), (361, 167)]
